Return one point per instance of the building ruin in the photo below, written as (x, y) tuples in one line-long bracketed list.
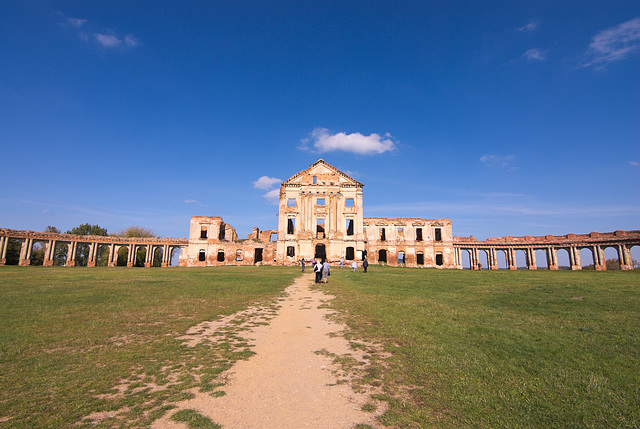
[(320, 215)]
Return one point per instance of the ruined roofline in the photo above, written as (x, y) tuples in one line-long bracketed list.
[(103, 239), (592, 237), (405, 220), (326, 164)]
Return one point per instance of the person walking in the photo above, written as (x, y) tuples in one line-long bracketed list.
[(365, 264), (317, 268), (341, 262), (325, 271), (354, 266), (302, 263)]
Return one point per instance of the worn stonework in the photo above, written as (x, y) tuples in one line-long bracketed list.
[(320, 215)]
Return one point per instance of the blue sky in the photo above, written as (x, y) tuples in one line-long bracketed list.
[(507, 117)]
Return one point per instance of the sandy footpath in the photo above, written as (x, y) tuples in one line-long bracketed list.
[(286, 384)]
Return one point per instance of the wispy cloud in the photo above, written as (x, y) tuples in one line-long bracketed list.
[(613, 45), (535, 54), (531, 26), (321, 140), (499, 161), (270, 184), (634, 163), (102, 37)]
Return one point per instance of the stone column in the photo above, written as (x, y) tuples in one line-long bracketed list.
[(531, 259), (147, 256), (131, 258), (574, 258), (25, 252), (71, 254), (91, 262), (624, 255), (552, 258), (166, 252), (598, 258), (474, 259), (493, 259), (511, 259), (111, 260), (3, 246), (48, 261)]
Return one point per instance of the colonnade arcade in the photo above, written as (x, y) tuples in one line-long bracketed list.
[(596, 243), (154, 248)]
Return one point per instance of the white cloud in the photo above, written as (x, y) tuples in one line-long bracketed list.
[(131, 41), (77, 22), (535, 54), (613, 44), (501, 161), (323, 141), (266, 182), (271, 184), (107, 40), (273, 196), (531, 26), (190, 201), (634, 163)]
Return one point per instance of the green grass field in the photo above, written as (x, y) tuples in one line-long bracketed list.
[(469, 349), (536, 349)]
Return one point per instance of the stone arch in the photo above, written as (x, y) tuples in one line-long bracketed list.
[(401, 257), (102, 255), (564, 262), (465, 259), (123, 256), (174, 257), (587, 258), (542, 259), (611, 257), (501, 259), (521, 259), (634, 251), (483, 259)]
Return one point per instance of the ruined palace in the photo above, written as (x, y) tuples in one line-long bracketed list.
[(321, 216)]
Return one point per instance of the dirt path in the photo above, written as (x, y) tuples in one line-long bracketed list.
[(287, 383)]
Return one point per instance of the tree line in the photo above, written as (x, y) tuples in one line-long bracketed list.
[(82, 252)]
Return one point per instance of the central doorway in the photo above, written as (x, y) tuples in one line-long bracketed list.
[(321, 253)]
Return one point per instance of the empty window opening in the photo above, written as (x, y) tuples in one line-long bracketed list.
[(320, 228), (418, 234), (291, 226), (420, 258), (383, 234), (257, 256), (439, 259), (291, 202), (222, 231), (348, 202), (350, 254), (401, 257), (201, 255), (364, 254), (239, 255), (220, 255), (320, 202), (315, 180), (438, 234), (273, 236), (349, 226), (203, 232), (291, 251), (382, 255)]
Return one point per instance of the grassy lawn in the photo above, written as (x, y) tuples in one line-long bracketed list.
[(68, 336), (500, 349)]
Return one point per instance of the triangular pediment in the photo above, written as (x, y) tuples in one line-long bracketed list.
[(324, 173)]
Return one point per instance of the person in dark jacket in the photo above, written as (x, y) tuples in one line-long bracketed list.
[(365, 264)]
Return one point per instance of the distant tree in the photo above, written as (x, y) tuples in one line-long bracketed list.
[(136, 231), (131, 232), (52, 229), (82, 252), (14, 247)]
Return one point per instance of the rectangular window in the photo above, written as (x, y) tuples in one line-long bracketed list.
[(291, 251), (315, 180), (418, 234), (349, 226), (203, 232), (438, 234), (220, 256), (222, 231), (201, 255), (320, 228), (439, 259), (291, 226), (273, 236), (348, 202), (383, 235), (291, 202), (350, 254), (320, 202), (420, 258), (239, 255)]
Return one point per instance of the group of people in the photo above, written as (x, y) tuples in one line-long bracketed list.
[(322, 269)]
